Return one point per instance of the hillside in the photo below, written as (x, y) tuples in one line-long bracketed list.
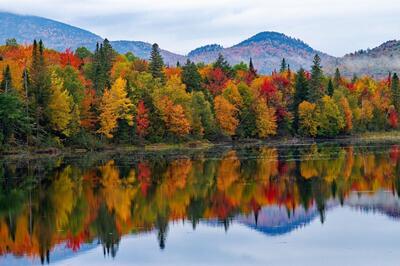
[(376, 62), (55, 34), (59, 36), (266, 49)]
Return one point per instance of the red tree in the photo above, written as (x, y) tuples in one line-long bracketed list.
[(142, 120)]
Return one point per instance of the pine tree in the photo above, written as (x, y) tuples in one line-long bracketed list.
[(102, 63), (300, 95), (317, 89), (191, 77), (330, 88), (337, 79), (157, 64), (395, 88), (39, 91), (222, 64), (354, 78), (6, 83), (283, 66), (252, 70)]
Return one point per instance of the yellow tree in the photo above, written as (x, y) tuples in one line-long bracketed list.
[(173, 116), (308, 123), (225, 114), (59, 106), (265, 118), (114, 105)]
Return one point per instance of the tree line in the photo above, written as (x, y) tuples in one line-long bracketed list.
[(87, 99)]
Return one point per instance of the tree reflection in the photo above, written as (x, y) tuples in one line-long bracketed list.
[(45, 204)]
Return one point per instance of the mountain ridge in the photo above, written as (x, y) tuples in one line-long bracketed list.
[(266, 48)]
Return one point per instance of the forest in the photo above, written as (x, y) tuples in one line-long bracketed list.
[(90, 99)]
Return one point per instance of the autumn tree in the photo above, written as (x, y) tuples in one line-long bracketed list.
[(103, 59), (226, 115), (308, 124), (114, 105), (142, 120), (265, 118), (330, 119), (59, 106), (173, 116), (157, 64)]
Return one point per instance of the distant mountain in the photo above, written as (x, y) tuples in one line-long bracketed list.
[(377, 62), (55, 34), (59, 36), (266, 49), (143, 50)]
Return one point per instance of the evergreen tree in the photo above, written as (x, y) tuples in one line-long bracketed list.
[(6, 83), (222, 64), (283, 66), (317, 89), (354, 79), (300, 95), (252, 70), (337, 79), (102, 63), (395, 88), (191, 77), (330, 88), (39, 91), (157, 64)]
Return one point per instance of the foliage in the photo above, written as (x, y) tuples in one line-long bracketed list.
[(226, 115)]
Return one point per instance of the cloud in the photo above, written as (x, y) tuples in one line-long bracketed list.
[(336, 26)]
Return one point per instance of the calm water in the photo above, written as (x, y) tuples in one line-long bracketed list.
[(311, 205)]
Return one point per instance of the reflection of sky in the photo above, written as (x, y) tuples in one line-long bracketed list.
[(346, 238)]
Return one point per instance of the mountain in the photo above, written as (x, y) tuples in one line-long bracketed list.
[(55, 34), (377, 62), (266, 49), (143, 50), (59, 36)]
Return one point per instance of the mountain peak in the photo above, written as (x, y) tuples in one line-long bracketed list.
[(206, 49), (275, 38)]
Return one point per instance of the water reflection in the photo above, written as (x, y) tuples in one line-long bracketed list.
[(79, 203)]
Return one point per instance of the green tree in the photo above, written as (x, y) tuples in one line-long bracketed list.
[(300, 95), (203, 120), (103, 59), (317, 89), (83, 53), (395, 88), (337, 79), (330, 88), (39, 90), (330, 120), (13, 120), (191, 77), (157, 64), (284, 66), (12, 42), (6, 82), (222, 64)]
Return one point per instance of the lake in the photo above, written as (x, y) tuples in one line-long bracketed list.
[(286, 205)]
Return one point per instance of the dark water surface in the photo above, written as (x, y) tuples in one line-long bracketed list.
[(310, 205)]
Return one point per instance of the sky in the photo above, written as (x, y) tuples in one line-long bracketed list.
[(336, 27)]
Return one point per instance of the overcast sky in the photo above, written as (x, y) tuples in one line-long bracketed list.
[(332, 26)]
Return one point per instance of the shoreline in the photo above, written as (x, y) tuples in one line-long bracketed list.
[(364, 138)]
